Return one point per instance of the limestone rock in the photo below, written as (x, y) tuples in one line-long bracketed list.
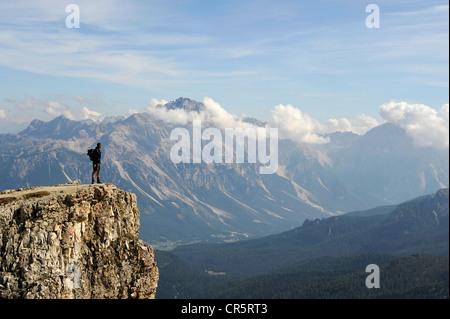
[(73, 241)]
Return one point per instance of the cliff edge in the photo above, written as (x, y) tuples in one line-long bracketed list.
[(73, 242)]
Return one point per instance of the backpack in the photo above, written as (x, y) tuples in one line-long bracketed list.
[(90, 153)]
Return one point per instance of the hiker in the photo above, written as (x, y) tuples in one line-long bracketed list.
[(96, 160)]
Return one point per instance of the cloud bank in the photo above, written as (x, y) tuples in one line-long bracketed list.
[(426, 126), (24, 111), (296, 125), (292, 123)]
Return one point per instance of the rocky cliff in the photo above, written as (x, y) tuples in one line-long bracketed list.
[(73, 241)]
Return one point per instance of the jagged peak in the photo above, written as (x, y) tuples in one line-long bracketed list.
[(185, 104)]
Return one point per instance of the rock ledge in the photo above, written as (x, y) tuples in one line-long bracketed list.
[(73, 242)]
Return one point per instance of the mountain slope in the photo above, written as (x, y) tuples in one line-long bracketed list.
[(420, 225)]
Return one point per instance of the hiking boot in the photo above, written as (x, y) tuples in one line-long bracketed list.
[(93, 182), (99, 181)]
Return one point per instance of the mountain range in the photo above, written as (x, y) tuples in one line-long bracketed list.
[(185, 203), (416, 226), (323, 258)]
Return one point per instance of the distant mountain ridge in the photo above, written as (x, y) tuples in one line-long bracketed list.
[(416, 226), (222, 202), (324, 258)]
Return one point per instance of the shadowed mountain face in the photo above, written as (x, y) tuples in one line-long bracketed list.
[(216, 202), (417, 226), (323, 258)]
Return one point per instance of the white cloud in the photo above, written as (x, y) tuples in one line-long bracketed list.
[(296, 125), (212, 114), (427, 127), (173, 116), (131, 112), (216, 114), (300, 127), (113, 50), (292, 123), (57, 109), (91, 115), (78, 108), (31, 108), (2, 114), (360, 125), (154, 102)]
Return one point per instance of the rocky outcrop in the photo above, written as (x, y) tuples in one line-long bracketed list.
[(73, 241)]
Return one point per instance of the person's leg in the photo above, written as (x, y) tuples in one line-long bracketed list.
[(98, 173), (93, 173)]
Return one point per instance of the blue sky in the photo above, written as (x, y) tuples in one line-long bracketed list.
[(249, 56)]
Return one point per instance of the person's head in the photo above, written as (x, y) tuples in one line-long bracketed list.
[(99, 145)]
